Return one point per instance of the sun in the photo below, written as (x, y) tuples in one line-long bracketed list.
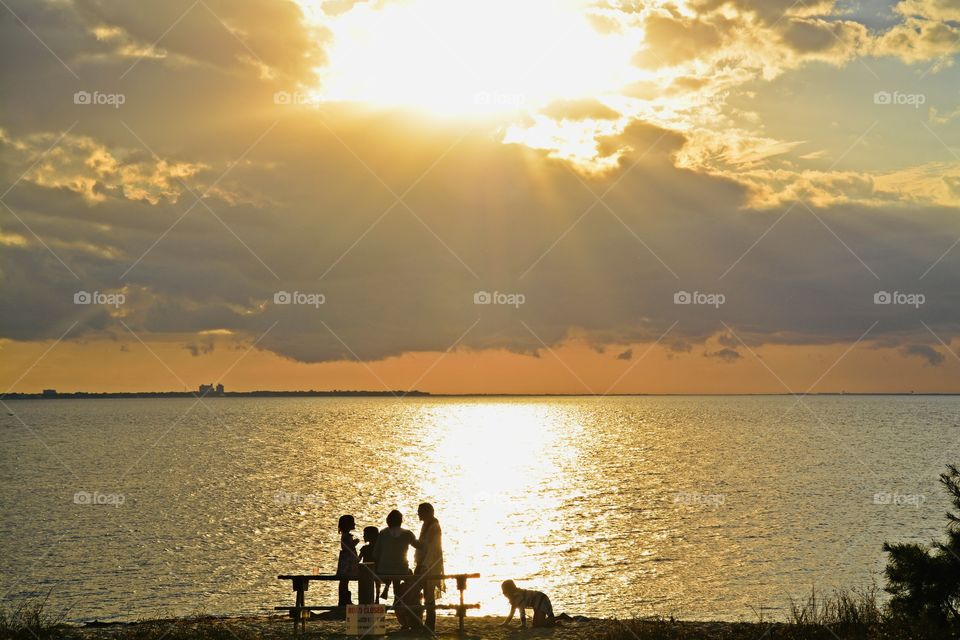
[(463, 57)]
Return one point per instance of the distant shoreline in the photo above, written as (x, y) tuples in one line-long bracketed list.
[(90, 395)]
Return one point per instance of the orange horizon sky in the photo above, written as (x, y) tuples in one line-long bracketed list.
[(573, 368)]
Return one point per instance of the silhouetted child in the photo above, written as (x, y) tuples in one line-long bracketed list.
[(523, 599), (347, 561), (366, 551)]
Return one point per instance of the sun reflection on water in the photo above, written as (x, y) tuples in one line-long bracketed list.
[(498, 481)]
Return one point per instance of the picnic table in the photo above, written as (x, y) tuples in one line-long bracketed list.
[(300, 611)]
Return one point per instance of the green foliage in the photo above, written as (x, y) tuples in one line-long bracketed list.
[(924, 581)]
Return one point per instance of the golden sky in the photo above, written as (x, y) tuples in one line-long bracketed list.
[(539, 196)]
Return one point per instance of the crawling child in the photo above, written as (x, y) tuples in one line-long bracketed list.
[(524, 599)]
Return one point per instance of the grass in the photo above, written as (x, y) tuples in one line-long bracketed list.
[(34, 624), (845, 610), (841, 615), (188, 628), (853, 614), (31, 620)]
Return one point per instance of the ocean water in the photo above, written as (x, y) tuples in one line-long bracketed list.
[(698, 507)]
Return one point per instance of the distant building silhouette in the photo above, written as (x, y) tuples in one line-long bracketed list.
[(210, 390), (49, 393)]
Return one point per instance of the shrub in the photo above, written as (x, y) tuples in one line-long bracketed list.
[(924, 581)]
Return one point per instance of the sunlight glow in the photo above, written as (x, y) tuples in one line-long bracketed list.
[(573, 141), (494, 520), (468, 57), (515, 65)]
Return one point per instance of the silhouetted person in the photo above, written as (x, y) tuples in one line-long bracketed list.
[(390, 551), (347, 561), (370, 535), (429, 560), (524, 599)]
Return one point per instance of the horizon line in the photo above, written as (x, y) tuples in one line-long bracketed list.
[(46, 395)]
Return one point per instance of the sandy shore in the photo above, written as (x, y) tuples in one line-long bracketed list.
[(282, 627), (486, 627)]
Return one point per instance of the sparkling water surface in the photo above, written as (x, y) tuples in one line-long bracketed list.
[(697, 507)]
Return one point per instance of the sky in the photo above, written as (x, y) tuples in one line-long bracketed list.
[(525, 196)]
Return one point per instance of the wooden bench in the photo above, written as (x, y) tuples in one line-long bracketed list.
[(300, 611)]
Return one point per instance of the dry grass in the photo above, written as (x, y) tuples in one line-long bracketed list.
[(31, 620), (841, 615), (847, 610), (855, 614)]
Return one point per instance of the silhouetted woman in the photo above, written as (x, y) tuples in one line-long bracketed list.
[(429, 560)]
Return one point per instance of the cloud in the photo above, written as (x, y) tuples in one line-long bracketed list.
[(579, 110), (727, 340), (726, 354), (828, 40), (933, 357), (945, 118), (919, 40), (123, 45), (768, 11), (625, 355), (942, 10), (672, 39), (405, 281), (88, 168), (303, 199), (200, 347), (269, 38)]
